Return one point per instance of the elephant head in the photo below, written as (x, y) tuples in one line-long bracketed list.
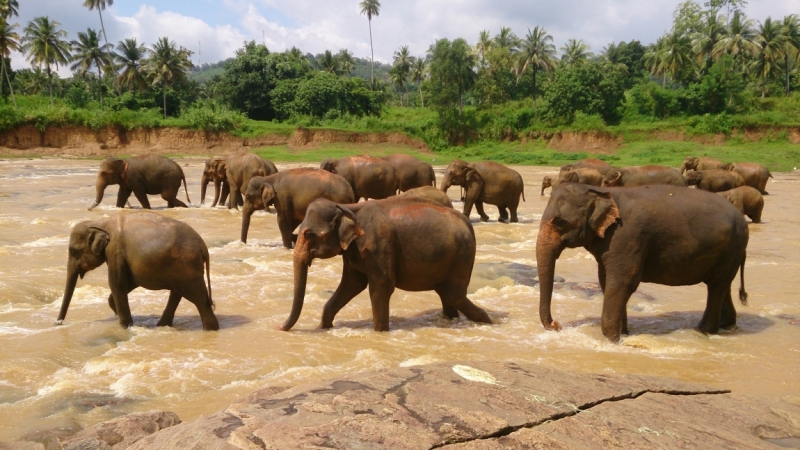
[(689, 163), (612, 178), (575, 216), (456, 174), (214, 170), (570, 177), (87, 245), (327, 230), (112, 171), (546, 183), (329, 165), (693, 177), (260, 194), (730, 167)]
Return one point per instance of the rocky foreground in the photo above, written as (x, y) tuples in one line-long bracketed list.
[(476, 405)]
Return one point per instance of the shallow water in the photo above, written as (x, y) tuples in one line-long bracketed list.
[(90, 369)]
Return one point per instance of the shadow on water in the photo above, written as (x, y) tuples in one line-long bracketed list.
[(431, 318), (186, 322), (670, 322)]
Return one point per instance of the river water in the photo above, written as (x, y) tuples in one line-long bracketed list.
[(89, 369)]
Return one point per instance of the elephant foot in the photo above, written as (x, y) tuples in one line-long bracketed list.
[(484, 218), (503, 220), (164, 322)]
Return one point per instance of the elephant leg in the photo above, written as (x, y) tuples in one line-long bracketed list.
[(728, 319), (286, 228), (111, 303), (120, 295), (172, 199), (479, 208), (503, 214), (449, 311), (169, 311), (195, 291), (353, 283), (225, 193), (380, 292), (513, 208), (142, 197), (122, 196), (455, 295), (615, 301), (710, 323)]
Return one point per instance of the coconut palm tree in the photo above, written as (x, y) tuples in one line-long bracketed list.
[(371, 8), (675, 55), (9, 8), (613, 58), (771, 40), (100, 5), (419, 71), (403, 61), (575, 52), (9, 41), (130, 55), (88, 53), (791, 33), (739, 39), (167, 64), (45, 45), (398, 78), (652, 60), (537, 52), (328, 63), (483, 46), (703, 42), (506, 39), (346, 61)]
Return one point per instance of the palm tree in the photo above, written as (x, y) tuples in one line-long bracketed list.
[(675, 54), (100, 5), (88, 53), (703, 42), (9, 41), (483, 46), (167, 64), (44, 44), (613, 57), (403, 61), (346, 61), (371, 8), (575, 52), (739, 39), (129, 56), (652, 60), (398, 78), (506, 39), (791, 33), (771, 41), (9, 8), (419, 71), (328, 63), (537, 52)]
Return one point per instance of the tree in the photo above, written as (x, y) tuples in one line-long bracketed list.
[(652, 60), (483, 46), (771, 42), (704, 41), (398, 78), (9, 8), (452, 71), (100, 5), (575, 51), (586, 88), (130, 55), (371, 8), (167, 64), (419, 71), (88, 53), (328, 63), (791, 33), (9, 41), (676, 55), (739, 39), (346, 61), (45, 45), (402, 67), (506, 39), (537, 52)]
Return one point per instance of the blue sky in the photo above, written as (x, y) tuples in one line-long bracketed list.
[(219, 27)]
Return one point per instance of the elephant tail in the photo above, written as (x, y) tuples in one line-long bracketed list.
[(769, 173), (742, 292), (523, 194), (207, 261), (185, 188)]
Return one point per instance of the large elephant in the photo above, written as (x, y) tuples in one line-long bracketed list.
[(142, 249), (233, 173), (643, 176), (585, 175), (141, 175), (714, 180), (653, 234), (589, 163), (411, 172), (401, 242), (291, 191), (755, 175), (700, 163), (486, 182), (370, 177), (747, 200), (429, 193)]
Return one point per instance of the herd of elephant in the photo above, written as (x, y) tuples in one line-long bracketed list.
[(408, 236)]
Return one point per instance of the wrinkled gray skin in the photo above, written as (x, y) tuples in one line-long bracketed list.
[(486, 182), (754, 175), (701, 163), (291, 191), (429, 193), (141, 175), (401, 242), (747, 200), (589, 163), (714, 180), (370, 177), (643, 176), (661, 234), (584, 176), (411, 172), (233, 173), (142, 249)]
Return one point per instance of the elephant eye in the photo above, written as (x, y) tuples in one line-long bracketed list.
[(558, 222)]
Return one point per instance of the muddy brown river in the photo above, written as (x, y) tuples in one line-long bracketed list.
[(89, 369)]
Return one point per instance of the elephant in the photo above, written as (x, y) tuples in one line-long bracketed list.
[(233, 173), (142, 249), (714, 180), (655, 234), (486, 182), (429, 193), (583, 175), (370, 177), (747, 200), (701, 163), (400, 242), (411, 172), (589, 163), (141, 175), (291, 191), (643, 176), (754, 175)]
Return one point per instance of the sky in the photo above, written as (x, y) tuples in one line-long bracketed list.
[(215, 29)]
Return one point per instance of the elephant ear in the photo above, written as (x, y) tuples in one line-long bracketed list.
[(267, 194), (220, 168), (328, 165), (349, 229), (122, 169), (472, 178), (571, 177), (97, 240), (605, 212)]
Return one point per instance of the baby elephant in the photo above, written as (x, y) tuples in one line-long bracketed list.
[(142, 249), (747, 200)]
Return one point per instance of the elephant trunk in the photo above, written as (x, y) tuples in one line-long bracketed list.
[(216, 192), (446, 182), (100, 187), (247, 212), (548, 248), (684, 167), (301, 263), (72, 280), (203, 185)]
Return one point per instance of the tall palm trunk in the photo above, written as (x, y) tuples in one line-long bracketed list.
[(100, 85), (372, 51), (786, 64), (165, 100), (10, 88), (50, 83), (421, 99), (534, 86)]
